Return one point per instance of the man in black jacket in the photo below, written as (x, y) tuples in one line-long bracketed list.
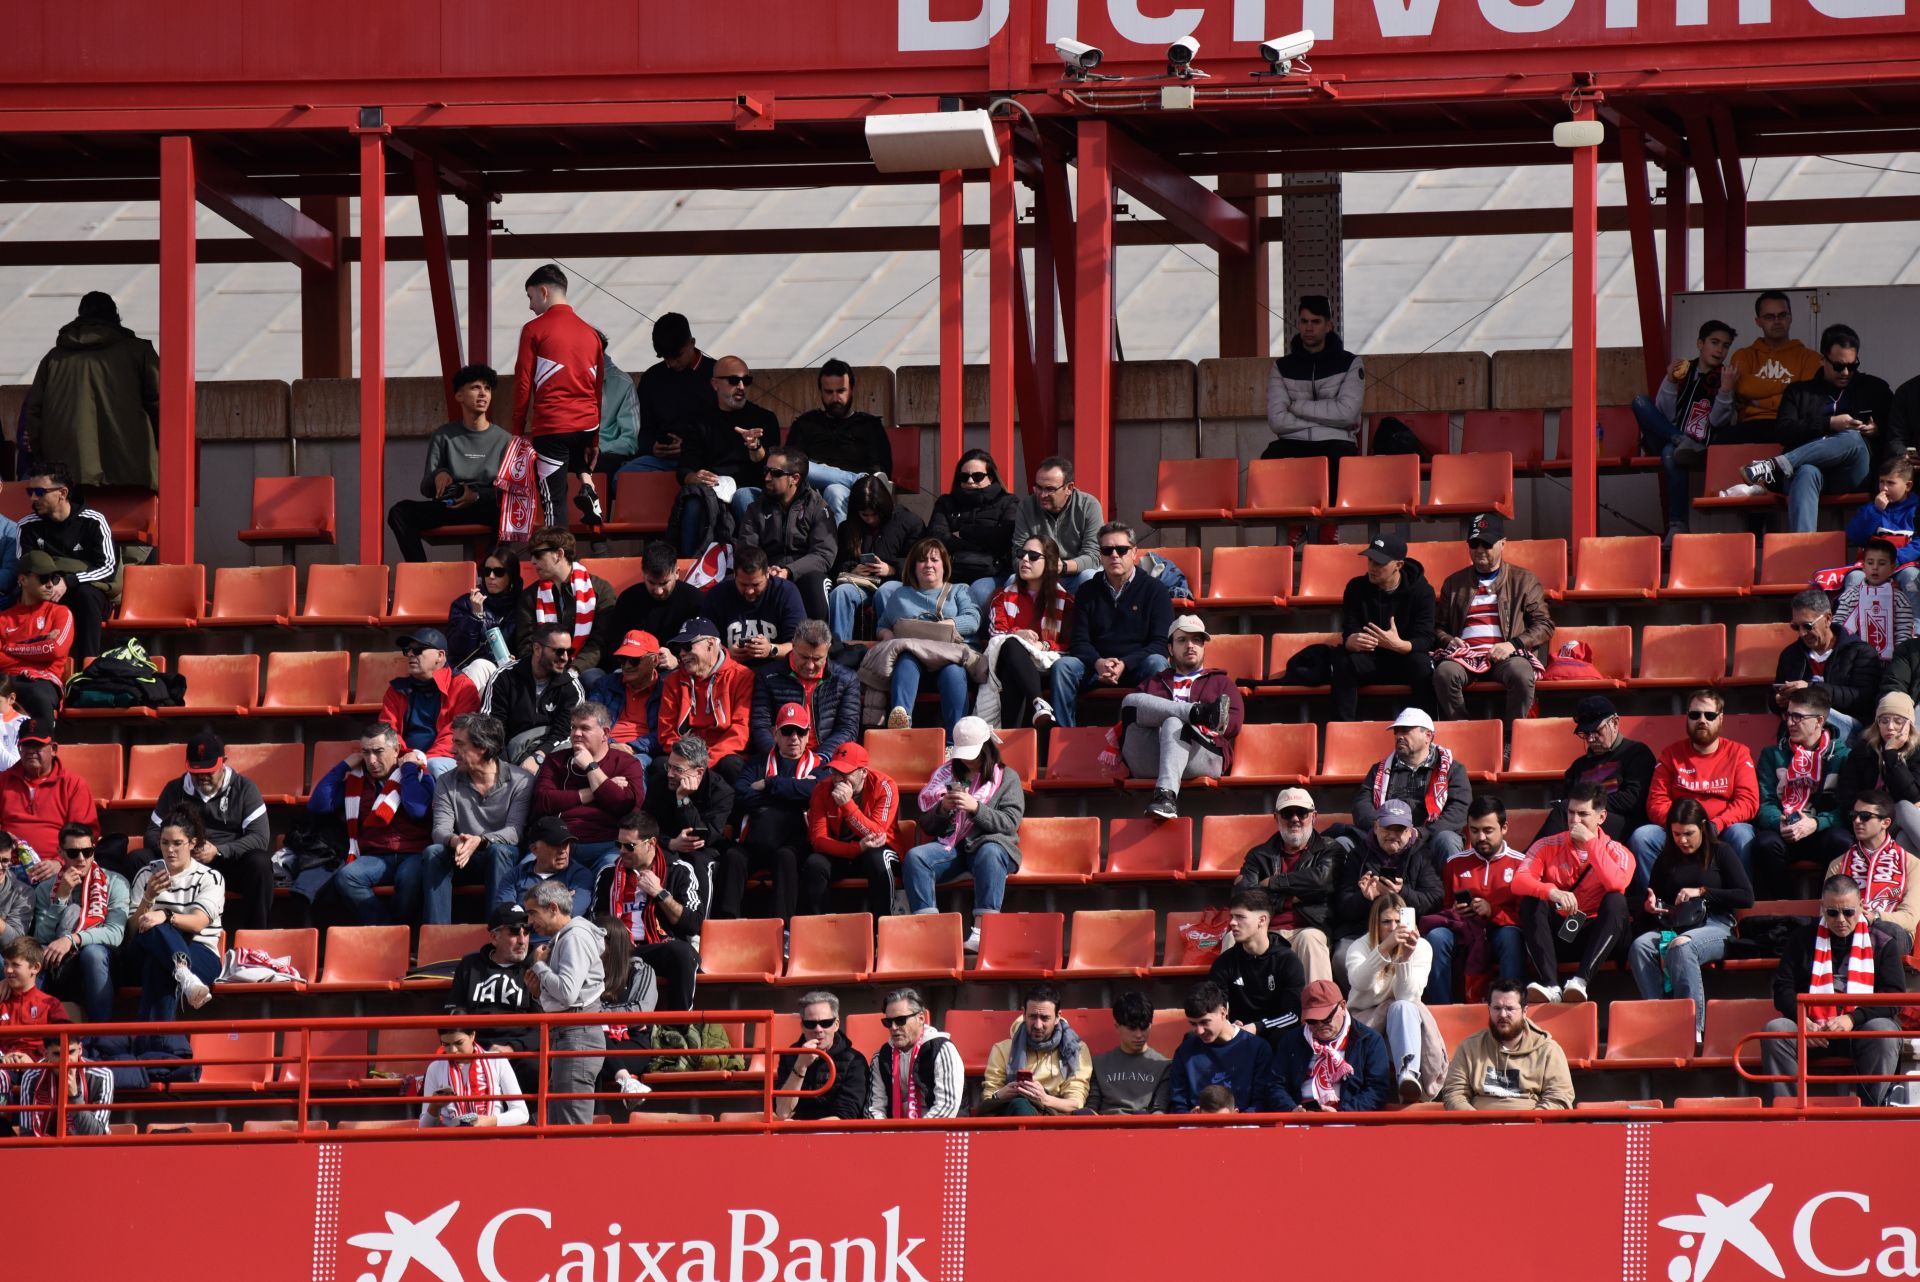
[(493, 980), (660, 602), (80, 541), (1855, 958), (1391, 857), (1427, 777), (240, 842), (1296, 867), (821, 1029), (660, 892), (1621, 767), (789, 521), (1121, 620), (535, 698), (843, 442), (1827, 429), (828, 691), (1848, 667), (674, 394), (732, 438), (695, 799), (1386, 628), (1259, 973)]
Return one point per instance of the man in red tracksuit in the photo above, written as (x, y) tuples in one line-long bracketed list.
[(556, 392), (35, 636), (1715, 771), (1579, 875)]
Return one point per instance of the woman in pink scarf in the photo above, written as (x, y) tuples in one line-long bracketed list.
[(971, 809)]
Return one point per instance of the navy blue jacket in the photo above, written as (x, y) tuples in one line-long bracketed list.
[(1368, 1087), (835, 708), (1243, 1065), (1131, 629)]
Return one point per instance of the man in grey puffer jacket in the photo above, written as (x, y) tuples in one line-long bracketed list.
[(1314, 394), (567, 976)]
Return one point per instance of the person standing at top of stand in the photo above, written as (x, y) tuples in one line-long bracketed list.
[(556, 394)]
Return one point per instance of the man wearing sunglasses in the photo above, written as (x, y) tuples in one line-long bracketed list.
[(1888, 876), (1828, 430), (918, 1072), (790, 522), (1716, 772), (421, 706), (1799, 785), (1828, 656), (821, 1029), (1620, 767), (79, 918), (492, 980), (534, 698), (1841, 954), (728, 449), (1296, 867), (1121, 622), (80, 541)]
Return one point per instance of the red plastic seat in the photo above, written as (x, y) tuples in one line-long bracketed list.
[(1649, 1034), (742, 951), (151, 767), (1619, 433), (1378, 485), (1788, 561), (1058, 850), (1111, 943), (641, 503), (218, 685), (340, 1057), (291, 509), (347, 596), (1756, 652), (1575, 1025), (1073, 760), (252, 596), (1542, 749), (976, 1032), (1352, 749), (921, 946), (1624, 568), (364, 958), (329, 753), (440, 943), (1020, 753), (909, 756), (1719, 1101), (1479, 746), (165, 596), (306, 683), (1225, 841), (1612, 646), (1148, 850), (230, 1061), (1019, 945), (1458, 1021), (1439, 559), (1284, 489), (1250, 577), (1193, 490), (620, 572), (1710, 565), (279, 770), (298, 944), (1656, 731), (1547, 558), (1682, 656), (1463, 484), (189, 1128), (1432, 428), (1274, 754), (100, 764), (1242, 655), (1722, 471), (407, 1051), (1523, 827), (1285, 646), (422, 590), (830, 948), (373, 672), (1728, 1020), (1520, 433), (1188, 561), (132, 515)]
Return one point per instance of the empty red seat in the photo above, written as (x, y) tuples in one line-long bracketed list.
[(1458, 1021), (1649, 1034), (641, 503), (329, 753), (976, 1032), (1250, 577), (1284, 489), (233, 1060), (909, 756), (307, 683), (100, 764), (1479, 746), (1439, 559), (1148, 850), (1543, 748), (1722, 471), (279, 770), (1464, 484), (1020, 752), (1619, 433), (1112, 943), (1756, 652), (1274, 754), (364, 958), (373, 672), (1788, 561), (1575, 1025), (620, 572), (1547, 558), (218, 685), (1728, 1020), (1378, 485), (1058, 850), (1019, 945), (1710, 565), (1241, 655), (1073, 759), (1684, 655), (1225, 841), (254, 596), (150, 767), (334, 1056), (422, 590), (291, 509), (830, 948), (348, 596), (439, 943), (743, 951), (1353, 748), (166, 596), (1625, 568), (920, 946), (1195, 490), (1520, 433), (1325, 571), (132, 515)]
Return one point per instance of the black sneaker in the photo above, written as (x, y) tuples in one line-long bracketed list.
[(588, 501), (1163, 805), (1213, 714), (1764, 472)]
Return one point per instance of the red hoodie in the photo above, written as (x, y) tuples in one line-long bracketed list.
[(836, 830), (1555, 863), (557, 375), (33, 809), (1722, 780), (457, 696)]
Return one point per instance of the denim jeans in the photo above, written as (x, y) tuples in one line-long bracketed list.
[(951, 680), (742, 500), (596, 854), (1705, 943), (495, 861), (835, 485), (989, 863), (1509, 954), (1657, 433), (1067, 677), (1402, 1029), (1157, 745), (410, 875), (86, 977), (150, 953), (1646, 841), (438, 766), (1073, 582), (1838, 457), (843, 609), (649, 463)]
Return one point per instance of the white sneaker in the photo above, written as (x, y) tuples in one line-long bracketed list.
[(899, 719), (1744, 491), (1539, 992), (1411, 1091), (631, 1085), (192, 991), (1043, 718), (1575, 992), (899, 905), (973, 940)]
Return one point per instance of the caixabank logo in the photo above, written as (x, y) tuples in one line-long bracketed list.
[(539, 1244), (1831, 1233)]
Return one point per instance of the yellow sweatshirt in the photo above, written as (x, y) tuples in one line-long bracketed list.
[(1763, 372)]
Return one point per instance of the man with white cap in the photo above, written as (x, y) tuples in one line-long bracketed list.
[(1491, 620), (1296, 867), (971, 809), (1181, 722), (1424, 775)]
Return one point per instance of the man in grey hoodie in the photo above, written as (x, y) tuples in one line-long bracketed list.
[(1069, 516), (566, 975)]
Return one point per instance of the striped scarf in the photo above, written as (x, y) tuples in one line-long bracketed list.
[(519, 491), (905, 1087), (643, 920), (88, 908), (1860, 972), (1441, 763), (473, 1085), (546, 610), (386, 804), (1329, 1067), (1804, 766), (1882, 874)]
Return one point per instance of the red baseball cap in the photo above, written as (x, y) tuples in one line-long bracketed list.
[(848, 758), (638, 645), (793, 714)]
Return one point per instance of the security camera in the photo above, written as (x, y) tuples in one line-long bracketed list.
[(1078, 58), (1181, 53), (1282, 50)]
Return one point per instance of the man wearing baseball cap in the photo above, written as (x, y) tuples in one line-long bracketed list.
[(550, 858), (1622, 767), (239, 842), (1296, 867), (852, 820), (1181, 722), (708, 696), (1390, 857), (1333, 1063), (36, 634), (38, 795), (1423, 774), (1491, 621), (492, 980), (1386, 627), (631, 694), (421, 706), (775, 793)]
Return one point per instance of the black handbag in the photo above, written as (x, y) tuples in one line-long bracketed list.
[(1686, 916)]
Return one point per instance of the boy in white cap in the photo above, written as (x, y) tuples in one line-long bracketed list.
[(1181, 722)]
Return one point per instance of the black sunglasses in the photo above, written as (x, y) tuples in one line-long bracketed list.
[(41, 491), (1115, 549), (413, 651), (562, 650), (1845, 367), (78, 854), (1296, 814), (1028, 554), (629, 845), (1702, 716), (779, 471), (493, 571), (1840, 912), (818, 1023), (1862, 816), (793, 730), (735, 380), (897, 1021), (974, 478)]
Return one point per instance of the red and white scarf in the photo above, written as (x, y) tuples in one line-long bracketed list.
[(1442, 763), (1860, 972), (472, 1078), (642, 918), (386, 804), (546, 610), (904, 1090), (1872, 619), (1329, 1067), (519, 488), (1882, 874), (88, 907), (1804, 770)]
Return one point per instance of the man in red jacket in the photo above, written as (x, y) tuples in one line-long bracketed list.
[(35, 635), (38, 794), (851, 820), (1718, 773), (1571, 891), (556, 392), (421, 706), (709, 696)]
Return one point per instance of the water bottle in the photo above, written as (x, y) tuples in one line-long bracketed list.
[(497, 647)]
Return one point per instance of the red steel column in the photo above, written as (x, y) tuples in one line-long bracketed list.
[(1093, 317), (433, 244), (1246, 324), (179, 253), (479, 280), (326, 298), (373, 349), (1654, 342), (953, 315), (1679, 217), (1586, 332), (1003, 257)]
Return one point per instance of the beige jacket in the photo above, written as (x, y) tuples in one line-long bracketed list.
[(1047, 1074), (1486, 1076)]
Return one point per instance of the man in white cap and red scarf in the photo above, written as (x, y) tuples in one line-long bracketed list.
[(1426, 776)]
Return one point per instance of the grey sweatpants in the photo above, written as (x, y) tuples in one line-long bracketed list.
[(1156, 743)]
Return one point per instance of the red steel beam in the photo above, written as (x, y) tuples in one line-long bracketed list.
[(1245, 327), (1713, 198), (265, 217), (1654, 343), (1680, 213), (373, 349), (1176, 197), (1003, 262), (1727, 143), (179, 211), (1062, 248), (446, 311), (1093, 315), (478, 251), (953, 344), (326, 295), (1040, 422), (1586, 333)]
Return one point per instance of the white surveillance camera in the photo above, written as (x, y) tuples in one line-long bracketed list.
[(1182, 52), (1078, 58), (1284, 49)]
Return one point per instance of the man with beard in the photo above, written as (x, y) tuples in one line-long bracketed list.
[(1718, 773), (493, 980), (1059, 510), (843, 443), (1513, 1064)]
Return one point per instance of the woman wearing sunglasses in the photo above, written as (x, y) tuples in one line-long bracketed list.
[(1028, 626), (975, 519), (494, 603), (1696, 887), (1887, 758)]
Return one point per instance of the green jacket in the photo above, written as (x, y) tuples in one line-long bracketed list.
[(1772, 767), (47, 913), (619, 410), (95, 406)]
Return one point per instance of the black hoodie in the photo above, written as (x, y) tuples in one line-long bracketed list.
[(848, 1098), (1411, 606)]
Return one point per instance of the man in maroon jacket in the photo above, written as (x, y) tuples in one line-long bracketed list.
[(592, 787), (1181, 722), (556, 392)]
